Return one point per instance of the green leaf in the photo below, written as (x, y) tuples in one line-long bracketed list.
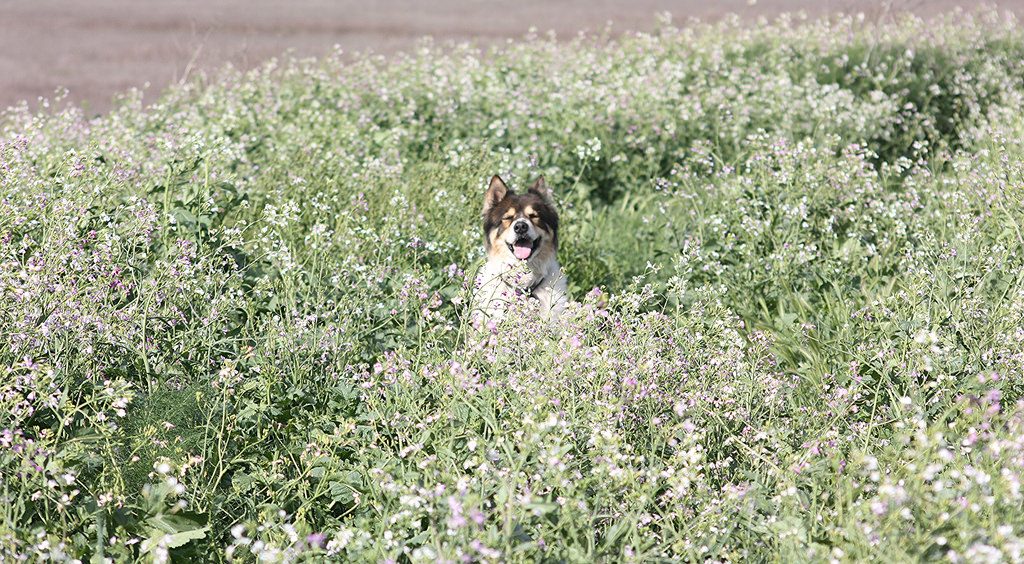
[(242, 481), (174, 530), (172, 540), (173, 523), (340, 492), (184, 217)]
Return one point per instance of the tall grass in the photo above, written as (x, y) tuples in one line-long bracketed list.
[(235, 321)]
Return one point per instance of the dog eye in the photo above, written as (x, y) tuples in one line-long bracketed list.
[(508, 218), (534, 216)]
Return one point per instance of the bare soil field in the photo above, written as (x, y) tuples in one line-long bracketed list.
[(98, 48)]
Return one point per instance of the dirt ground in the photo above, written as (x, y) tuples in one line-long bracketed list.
[(96, 48)]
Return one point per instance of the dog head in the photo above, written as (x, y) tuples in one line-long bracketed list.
[(520, 227)]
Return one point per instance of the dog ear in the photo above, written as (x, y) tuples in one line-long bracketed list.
[(541, 188), (496, 192)]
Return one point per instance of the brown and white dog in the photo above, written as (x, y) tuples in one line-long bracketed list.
[(521, 240)]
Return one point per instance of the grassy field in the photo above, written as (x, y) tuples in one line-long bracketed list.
[(235, 322)]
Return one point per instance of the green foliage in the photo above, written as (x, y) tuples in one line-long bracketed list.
[(236, 322)]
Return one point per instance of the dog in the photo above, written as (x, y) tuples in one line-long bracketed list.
[(521, 242)]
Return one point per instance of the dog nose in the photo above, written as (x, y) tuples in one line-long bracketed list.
[(520, 227)]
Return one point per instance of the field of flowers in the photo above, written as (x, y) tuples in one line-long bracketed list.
[(235, 323)]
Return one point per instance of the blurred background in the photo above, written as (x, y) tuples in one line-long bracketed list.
[(97, 48)]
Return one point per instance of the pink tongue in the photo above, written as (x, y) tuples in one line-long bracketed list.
[(522, 253)]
